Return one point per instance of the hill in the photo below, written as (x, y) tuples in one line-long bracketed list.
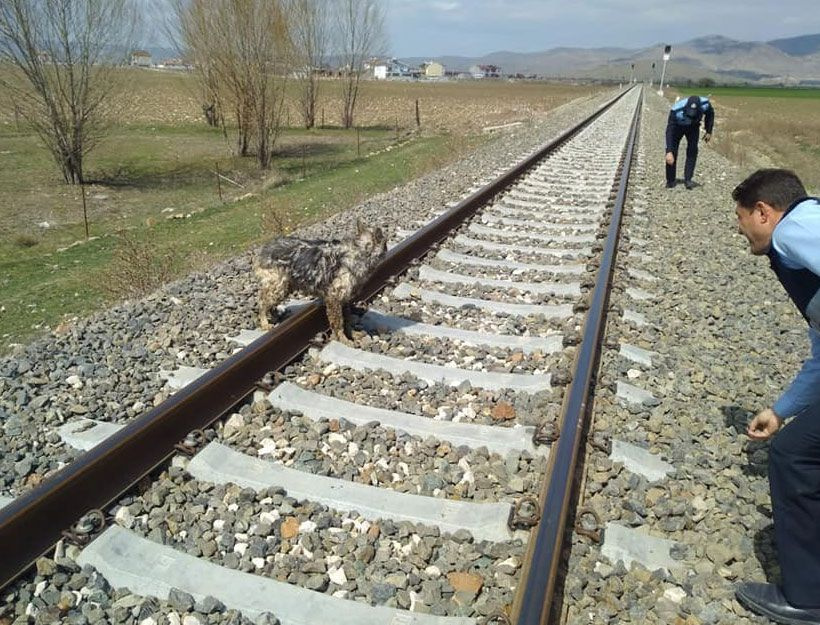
[(793, 61)]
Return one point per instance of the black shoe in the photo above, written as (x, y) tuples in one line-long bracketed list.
[(689, 184), (768, 600), (670, 185)]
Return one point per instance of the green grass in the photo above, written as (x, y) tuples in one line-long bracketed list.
[(139, 171), (41, 286), (759, 92)]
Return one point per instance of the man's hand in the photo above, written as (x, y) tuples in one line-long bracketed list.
[(670, 158), (706, 137), (764, 425)]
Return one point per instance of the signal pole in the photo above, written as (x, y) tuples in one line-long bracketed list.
[(667, 51)]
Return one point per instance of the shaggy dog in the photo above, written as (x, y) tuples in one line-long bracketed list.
[(331, 269)]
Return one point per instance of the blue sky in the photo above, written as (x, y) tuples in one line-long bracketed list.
[(476, 27)]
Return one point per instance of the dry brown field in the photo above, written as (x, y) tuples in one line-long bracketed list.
[(771, 128), (165, 97), (159, 152)]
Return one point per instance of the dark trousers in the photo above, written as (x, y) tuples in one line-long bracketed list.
[(676, 134), (794, 481)]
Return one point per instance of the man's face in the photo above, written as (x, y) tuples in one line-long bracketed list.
[(757, 226)]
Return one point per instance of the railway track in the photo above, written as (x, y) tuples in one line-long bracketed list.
[(411, 477)]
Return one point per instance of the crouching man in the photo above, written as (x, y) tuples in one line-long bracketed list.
[(779, 221)]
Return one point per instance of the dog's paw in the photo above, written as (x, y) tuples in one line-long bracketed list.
[(344, 339)]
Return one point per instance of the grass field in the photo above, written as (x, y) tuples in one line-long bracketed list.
[(765, 92), (768, 127), (154, 178)]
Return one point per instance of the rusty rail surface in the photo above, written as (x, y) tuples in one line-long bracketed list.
[(536, 601), (32, 523)]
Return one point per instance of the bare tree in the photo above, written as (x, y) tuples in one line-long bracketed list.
[(204, 35), (63, 56), (310, 32), (360, 35), (192, 30), (242, 51), (266, 56)]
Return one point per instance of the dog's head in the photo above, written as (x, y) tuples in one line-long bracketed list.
[(370, 240)]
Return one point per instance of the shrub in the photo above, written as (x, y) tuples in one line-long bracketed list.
[(25, 240), (137, 267), (275, 221)]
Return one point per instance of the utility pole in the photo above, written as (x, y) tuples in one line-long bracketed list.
[(667, 51)]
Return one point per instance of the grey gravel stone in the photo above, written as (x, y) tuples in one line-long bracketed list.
[(180, 600), (708, 371), (106, 368)]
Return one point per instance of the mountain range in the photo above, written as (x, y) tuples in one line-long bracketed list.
[(794, 60)]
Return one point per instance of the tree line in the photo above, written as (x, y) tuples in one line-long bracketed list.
[(60, 58)]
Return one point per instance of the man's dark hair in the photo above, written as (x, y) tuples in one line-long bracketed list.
[(779, 188)]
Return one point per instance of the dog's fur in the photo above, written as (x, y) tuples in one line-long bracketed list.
[(331, 269)]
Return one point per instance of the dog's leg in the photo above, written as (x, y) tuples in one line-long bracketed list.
[(336, 318), (336, 296), (347, 324), (273, 287)]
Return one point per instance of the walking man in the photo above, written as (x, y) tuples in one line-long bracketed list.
[(779, 221), (684, 121)]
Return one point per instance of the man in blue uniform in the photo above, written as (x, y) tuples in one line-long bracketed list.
[(684, 121), (780, 222)]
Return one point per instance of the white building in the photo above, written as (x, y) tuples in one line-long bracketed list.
[(141, 58)]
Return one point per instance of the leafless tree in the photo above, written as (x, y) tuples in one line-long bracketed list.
[(310, 33), (63, 57), (359, 36), (191, 30), (203, 34), (267, 57), (242, 51)]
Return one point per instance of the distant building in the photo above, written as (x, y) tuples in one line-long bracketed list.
[(485, 71), (141, 58), (393, 70), (175, 63), (455, 74), (432, 69), (301, 73), (380, 71)]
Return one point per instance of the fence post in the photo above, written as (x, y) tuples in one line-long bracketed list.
[(85, 208), (358, 143), (218, 182), (418, 115)]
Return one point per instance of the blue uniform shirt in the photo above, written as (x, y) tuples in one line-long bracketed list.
[(796, 239), (679, 121)]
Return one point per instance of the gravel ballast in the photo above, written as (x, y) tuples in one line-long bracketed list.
[(108, 368), (717, 322)]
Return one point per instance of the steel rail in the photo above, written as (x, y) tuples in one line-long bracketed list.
[(536, 599), (32, 523)]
